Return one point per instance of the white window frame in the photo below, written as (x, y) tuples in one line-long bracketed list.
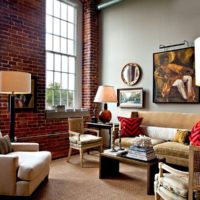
[(78, 52)]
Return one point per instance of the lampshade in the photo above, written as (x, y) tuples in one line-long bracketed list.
[(197, 61), (15, 82), (105, 94)]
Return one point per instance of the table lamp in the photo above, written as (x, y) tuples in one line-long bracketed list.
[(105, 94), (197, 61), (13, 82)]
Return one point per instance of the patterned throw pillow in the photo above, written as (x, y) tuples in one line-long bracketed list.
[(195, 134), (130, 126), (5, 145), (182, 136)]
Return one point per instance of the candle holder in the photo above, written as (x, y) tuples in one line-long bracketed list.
[(120, 141), (113, 139)]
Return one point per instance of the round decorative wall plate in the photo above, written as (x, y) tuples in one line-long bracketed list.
[(131, 73)]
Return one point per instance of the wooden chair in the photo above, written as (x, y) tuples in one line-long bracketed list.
[(81, 141), (177, 184)]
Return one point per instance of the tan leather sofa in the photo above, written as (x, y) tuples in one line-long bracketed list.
[(22, 170), (175, 153)]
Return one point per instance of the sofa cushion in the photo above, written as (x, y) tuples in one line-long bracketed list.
[(130, 126), (128, 141), (5, 145), (85, 139), (160, 132), (31, 163), (177, 184), (172, 149)]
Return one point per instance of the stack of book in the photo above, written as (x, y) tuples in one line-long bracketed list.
[(141, 153)]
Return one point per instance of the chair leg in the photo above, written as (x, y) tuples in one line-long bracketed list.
[(69, 154), (190, 195), (157, 197), (81, 157)]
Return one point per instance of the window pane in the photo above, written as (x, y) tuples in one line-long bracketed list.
[(71, 14), (57, 80), (64, 97), (56, 27), (48, 42), (70, 31), (56, 97), (71, 65), (49, 25), (49, 7), (71, 81), (70, 99), (49, 98), (70, 47), (49, 79), (49, 61), (64, 63), (57, 65), (63, 11), (56, 43), (64, 81), (63, 45), (57, 8), (63, 29)]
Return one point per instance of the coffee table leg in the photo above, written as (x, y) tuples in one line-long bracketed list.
[(152, 169), (108, 167)]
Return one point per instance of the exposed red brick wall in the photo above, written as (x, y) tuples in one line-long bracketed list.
[(90, 52), (22, 48)]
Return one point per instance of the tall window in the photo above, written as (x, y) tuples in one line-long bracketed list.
[(61, 41)]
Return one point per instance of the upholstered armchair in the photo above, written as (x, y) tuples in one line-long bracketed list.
[(23, 169), (176, 184), (81, 141)]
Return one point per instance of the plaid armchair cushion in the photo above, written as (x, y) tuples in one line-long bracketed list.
[(177, 185)]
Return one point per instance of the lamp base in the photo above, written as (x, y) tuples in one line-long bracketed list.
[(105, 115)]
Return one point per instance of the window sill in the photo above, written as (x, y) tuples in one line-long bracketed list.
[(52, 114)]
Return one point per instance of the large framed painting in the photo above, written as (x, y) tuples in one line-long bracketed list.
[(130, 97), (27, 102), (174, 77)]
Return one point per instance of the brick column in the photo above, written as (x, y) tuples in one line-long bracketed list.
[(90, 52)]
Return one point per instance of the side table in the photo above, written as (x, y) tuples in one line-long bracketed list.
[(100, 126)]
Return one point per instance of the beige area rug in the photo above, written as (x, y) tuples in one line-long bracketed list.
[(68, 181)]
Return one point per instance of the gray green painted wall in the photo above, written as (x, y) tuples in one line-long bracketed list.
[(132, 31)]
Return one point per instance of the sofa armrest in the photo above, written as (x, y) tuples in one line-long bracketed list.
[(8, 166), (25, 146)]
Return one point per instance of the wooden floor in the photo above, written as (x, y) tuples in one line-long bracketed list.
[(68, 181)]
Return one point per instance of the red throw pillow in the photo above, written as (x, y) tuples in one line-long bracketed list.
[(130, 126), (195, 134)]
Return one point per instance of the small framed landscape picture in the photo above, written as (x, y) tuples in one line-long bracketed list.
[(130, 97)]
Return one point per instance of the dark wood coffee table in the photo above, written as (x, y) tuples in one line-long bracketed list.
[(109, 166)]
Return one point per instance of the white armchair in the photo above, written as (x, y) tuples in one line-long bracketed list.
[(22, 170)]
